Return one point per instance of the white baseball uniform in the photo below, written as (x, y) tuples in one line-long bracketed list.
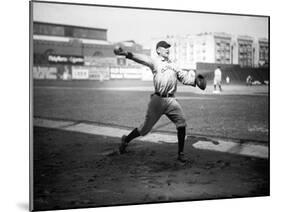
[(165, 76), (217, 77)]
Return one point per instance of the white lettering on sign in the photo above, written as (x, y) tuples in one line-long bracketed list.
[(80, 73), (76, 60), (56, 59), (44, 72), (65, 59)]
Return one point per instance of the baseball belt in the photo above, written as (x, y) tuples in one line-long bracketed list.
[(164, 95)]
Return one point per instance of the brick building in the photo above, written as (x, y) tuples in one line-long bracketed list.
[(88, 44)]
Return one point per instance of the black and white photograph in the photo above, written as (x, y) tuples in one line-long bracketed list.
[(137, 105)]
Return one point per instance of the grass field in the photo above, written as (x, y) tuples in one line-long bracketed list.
[(74, 169), (240, 112)]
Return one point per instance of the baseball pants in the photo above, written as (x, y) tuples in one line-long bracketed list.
[(159, 106)]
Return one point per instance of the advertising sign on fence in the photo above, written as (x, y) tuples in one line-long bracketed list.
[(114, 70), (116, 76), (131, 73), (66, 59), (99, 73), (80, 73), (125, 73), (115, 73), (132, 76), (44, 72)]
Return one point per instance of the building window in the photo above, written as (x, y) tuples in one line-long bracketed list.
[(68, 31)]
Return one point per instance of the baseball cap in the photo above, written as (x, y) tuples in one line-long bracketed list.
[(163, 44)]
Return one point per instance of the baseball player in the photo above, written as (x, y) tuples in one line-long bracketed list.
[(162, 101), (217, 78), (249, 80)]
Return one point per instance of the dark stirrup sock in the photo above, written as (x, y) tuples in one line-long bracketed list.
[(135, 133), (181, 138)]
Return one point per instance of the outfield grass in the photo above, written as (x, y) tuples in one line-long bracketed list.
[(240, 112)]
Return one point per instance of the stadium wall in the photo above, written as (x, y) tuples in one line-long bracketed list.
[(236, 73), (68, 72)]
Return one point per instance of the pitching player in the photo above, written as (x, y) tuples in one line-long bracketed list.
[(217, 78), (165, 76)]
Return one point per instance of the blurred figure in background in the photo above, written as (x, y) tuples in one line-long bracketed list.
[(217, 79), (227, 80), (249, 80)]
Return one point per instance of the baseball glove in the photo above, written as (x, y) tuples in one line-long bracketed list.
[(201, 82)]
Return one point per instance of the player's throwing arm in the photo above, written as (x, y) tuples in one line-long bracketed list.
[(193, 80)]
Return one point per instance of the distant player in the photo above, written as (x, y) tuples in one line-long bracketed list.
[(249, 80), (217, 79), (227, 79), (162, 101)]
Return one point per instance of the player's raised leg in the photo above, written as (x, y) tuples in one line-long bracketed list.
[(153, 113)]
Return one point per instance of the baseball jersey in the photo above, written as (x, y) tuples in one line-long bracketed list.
[(218, 74), (165, 74)]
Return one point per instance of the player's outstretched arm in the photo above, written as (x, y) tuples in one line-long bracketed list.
[(191, 78), (186, 77), (139, 58)]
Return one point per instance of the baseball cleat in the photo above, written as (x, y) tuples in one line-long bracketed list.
[(123, 145), (181, 157)]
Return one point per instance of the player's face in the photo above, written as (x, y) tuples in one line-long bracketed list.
[(163, 52)]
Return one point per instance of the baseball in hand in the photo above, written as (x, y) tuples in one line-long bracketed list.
[(118, 50)]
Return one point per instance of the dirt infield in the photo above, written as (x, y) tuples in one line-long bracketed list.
[(75, 170)]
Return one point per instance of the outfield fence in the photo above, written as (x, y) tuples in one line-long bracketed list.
[(90, 73), (235, 73)]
